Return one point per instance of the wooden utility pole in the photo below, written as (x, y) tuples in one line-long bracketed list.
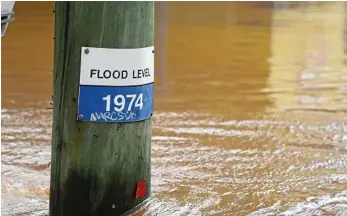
[(100, 166)]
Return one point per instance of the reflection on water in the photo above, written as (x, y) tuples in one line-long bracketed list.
[(251, 119), (308, 68)]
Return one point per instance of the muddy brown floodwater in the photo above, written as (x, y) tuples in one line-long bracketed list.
[(250, 113)]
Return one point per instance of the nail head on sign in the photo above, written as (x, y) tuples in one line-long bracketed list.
[(86, 51)]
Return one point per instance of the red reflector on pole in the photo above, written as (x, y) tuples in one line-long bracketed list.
[(141, 189)]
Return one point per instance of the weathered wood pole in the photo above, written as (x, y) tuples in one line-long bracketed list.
[(96, 167)]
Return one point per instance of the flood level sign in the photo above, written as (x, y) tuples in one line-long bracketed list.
[(116, 85)]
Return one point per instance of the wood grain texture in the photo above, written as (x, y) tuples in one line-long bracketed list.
[(96, 166)]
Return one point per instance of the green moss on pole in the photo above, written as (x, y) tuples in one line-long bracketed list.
[(96, 166)]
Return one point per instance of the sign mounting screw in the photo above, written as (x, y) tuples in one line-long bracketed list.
[(86, 51), (80, 116)]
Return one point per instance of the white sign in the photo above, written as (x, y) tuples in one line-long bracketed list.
[(117, 67)]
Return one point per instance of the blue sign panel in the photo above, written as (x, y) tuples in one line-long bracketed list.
[(115, 103)]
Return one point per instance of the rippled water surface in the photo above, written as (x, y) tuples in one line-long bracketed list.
[(250, 111)]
